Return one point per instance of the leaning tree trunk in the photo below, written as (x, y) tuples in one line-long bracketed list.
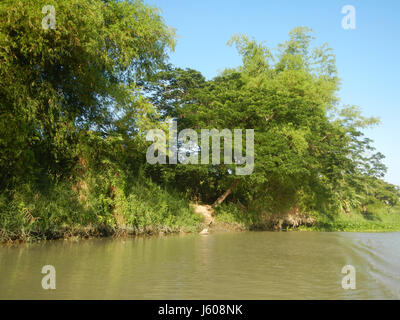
[(226, 193)]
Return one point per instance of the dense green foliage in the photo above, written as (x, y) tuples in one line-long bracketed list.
[(310, 153), (71, 115), (76, 103)]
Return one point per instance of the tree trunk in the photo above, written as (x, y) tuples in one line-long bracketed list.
[(226, 193), (364, 208)]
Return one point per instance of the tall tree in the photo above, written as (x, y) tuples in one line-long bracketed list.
[(81, 75)]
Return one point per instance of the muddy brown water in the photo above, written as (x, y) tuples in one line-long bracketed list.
[(247, 265)]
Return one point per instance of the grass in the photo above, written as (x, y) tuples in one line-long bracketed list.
[(64, 210), (103, 207), (230, 214), (377, 219)]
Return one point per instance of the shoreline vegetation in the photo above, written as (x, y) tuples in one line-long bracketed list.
[(171, 215), (78, 101)]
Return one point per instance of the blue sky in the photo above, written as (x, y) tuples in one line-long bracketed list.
[(367, 58)]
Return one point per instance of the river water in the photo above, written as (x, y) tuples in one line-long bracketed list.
[(247, 265)]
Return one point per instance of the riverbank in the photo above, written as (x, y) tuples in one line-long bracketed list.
[(376, 220), (87, 209), (67, 213), (221, 221)]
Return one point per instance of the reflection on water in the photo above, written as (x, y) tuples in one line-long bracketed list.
[(249, 265)]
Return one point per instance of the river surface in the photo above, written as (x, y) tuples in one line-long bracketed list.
[(248, 265)]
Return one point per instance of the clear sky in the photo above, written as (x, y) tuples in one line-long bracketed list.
[(367, 57)]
